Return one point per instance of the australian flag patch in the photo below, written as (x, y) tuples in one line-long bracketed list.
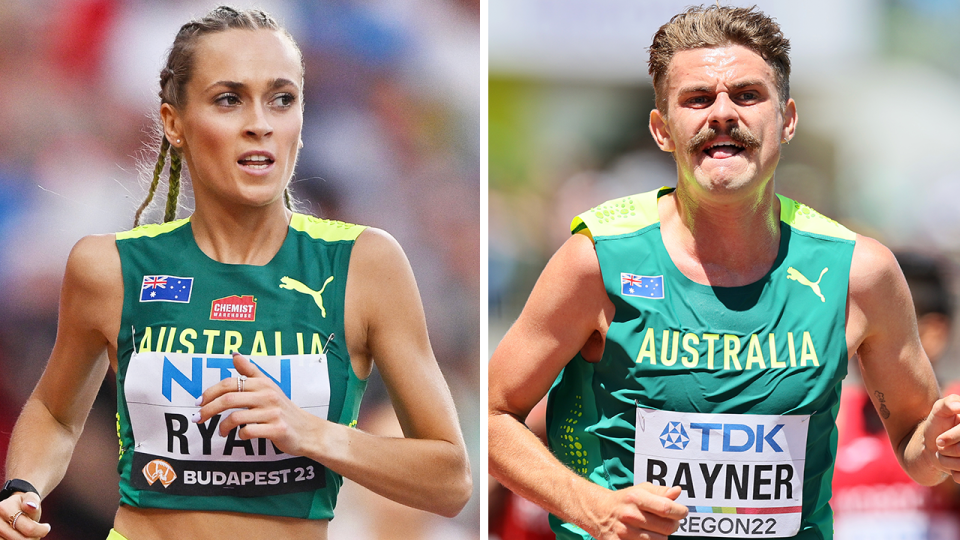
[(641, 286), (166, 289)]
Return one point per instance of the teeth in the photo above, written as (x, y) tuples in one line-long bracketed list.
[(257, 158), (715, 145)]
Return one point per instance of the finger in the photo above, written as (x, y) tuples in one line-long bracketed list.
[(25, 528), (673, 492), (664, 504), (951, 450), (214, 391), (30, 505), (949, 438), (947, 406), (245, 367), (226, 402), (648, 521), (29, 528), (245, 417), (949, 463)]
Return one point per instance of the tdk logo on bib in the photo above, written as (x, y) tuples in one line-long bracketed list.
[(733, 437), (739, 437), (674, 437)]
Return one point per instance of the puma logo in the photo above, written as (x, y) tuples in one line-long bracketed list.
[(294, 285), (794, 274)]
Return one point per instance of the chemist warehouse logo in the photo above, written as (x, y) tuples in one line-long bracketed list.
[(736, 437), (234, 308), (159, 469)]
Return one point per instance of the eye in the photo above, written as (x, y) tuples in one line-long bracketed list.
[(284, 100), (698, 101), (227, 100), (749, 96)]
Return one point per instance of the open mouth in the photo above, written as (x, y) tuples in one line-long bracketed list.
[(722, 150), (256, 161)]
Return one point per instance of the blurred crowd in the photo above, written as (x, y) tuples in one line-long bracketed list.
[(877, 87), (392, 139)]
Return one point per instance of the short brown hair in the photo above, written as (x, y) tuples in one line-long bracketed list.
[(715, 26)]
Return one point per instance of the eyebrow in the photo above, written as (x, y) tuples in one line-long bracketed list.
[(709, 89), (279, 82)]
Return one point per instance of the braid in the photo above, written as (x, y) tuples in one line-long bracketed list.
[(173, 193), (164, 146)]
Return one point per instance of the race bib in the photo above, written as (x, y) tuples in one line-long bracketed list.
[(176, 456), (741, 475)]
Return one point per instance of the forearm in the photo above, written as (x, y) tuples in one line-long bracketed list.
[(40, 447), (521, 462), (431, 475)]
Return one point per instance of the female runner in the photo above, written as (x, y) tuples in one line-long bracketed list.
[(242, 336)]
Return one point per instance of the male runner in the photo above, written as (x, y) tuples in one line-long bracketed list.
[(693, 339)]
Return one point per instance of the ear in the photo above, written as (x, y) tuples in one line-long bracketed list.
[(661, 131), (789, 121), (172, 126)]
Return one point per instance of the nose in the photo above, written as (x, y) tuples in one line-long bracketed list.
[(723, 112), (258, 123)]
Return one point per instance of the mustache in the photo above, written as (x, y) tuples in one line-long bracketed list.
[(742, 136)]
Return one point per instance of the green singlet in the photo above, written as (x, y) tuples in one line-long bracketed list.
[(184, 314), (729, 392)]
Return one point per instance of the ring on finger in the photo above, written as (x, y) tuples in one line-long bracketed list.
[(240, 380), (13, 520)]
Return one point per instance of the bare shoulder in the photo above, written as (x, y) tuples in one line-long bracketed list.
[(92, 296), (376, 248), (880, 305), (572, 277), (94, 265), (874, 271), (579, 257)]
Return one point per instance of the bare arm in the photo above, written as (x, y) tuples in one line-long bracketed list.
[(896, 371), (567, 311), (52, 419), (428, 468)]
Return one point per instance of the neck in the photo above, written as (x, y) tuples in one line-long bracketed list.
[(241, 235), (726, 241)]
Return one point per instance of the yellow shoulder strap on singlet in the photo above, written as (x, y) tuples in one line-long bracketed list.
[(326, 229), (803, 218), (152, 229), (619, 216)]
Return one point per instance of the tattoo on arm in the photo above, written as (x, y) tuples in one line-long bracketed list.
[(884, 411)]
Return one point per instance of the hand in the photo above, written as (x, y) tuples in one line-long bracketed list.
[(264, 410), (944, 424), (641, 512), (27, 524)]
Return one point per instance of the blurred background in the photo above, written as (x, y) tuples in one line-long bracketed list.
[(392, 135), (877, 86)]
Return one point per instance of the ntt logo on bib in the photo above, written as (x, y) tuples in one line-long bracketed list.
[(674, 437)]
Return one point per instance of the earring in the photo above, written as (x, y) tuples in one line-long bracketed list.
[(178, 141)]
